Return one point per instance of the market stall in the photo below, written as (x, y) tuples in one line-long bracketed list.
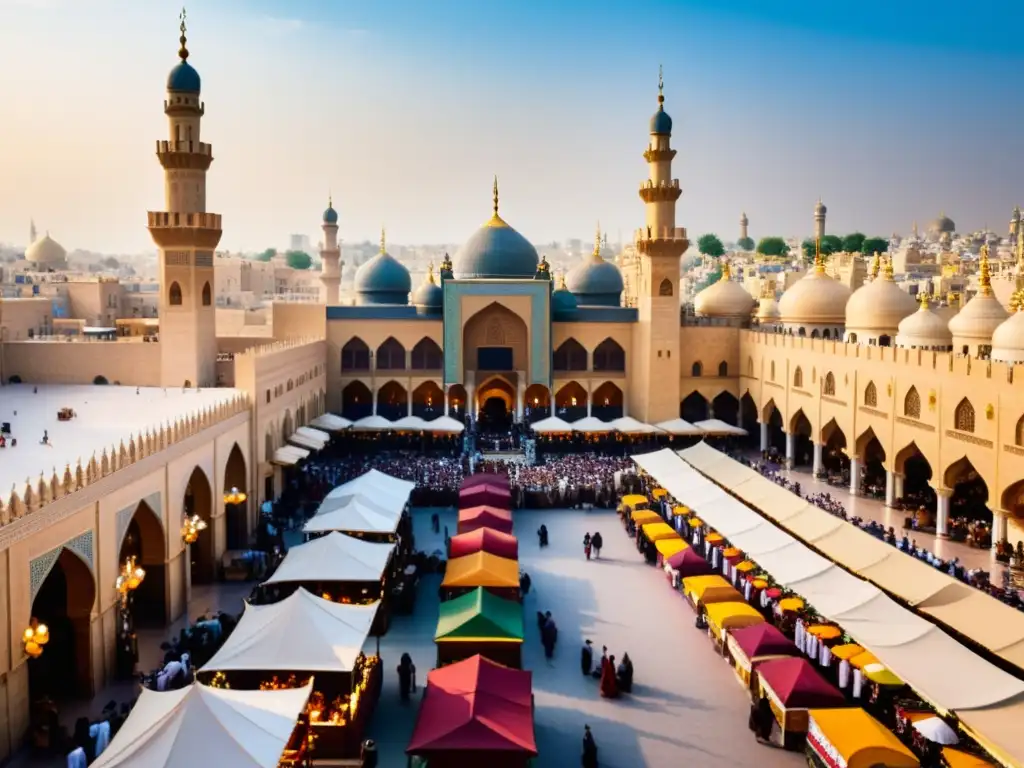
[(389, 492), (635, 501), (668, 547), (492, 479), (475, 713), (357, 516), (705, 590), (641, 517), (198, 725), (498, 575), (851, 738), (751, 646), (484, 540), (687, 563), (485, 496), (303, 640), (727, 616), (496, 518), (480, 623), (655, 531), (793, 687)]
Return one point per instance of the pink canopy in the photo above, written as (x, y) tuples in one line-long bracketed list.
[(798, 685), (689, 563), (763, 640), (493, 479), (485, 517), (475, 705), (485, 495), (484, 540)]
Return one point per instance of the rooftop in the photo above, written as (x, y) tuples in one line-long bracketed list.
[(105, 415)]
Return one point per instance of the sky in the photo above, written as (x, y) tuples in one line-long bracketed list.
[(404, 110)]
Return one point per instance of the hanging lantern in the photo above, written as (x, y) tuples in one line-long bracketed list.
[(130, 578), (235, 496), (191, 527), (34, 637)]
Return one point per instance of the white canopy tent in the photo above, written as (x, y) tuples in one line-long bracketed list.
[(198, 725), (356, 513), (308, 437), (314, 434), (444, 424), (334, 557), (386, 491), (679, 427), (301, 633), (551, 425), (372, 424), (409, 424), (591, 425), (627, 425), (330, 422), (718, 427), (288, 455)]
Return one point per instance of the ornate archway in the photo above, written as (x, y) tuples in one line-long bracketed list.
[(872, 457), (1012, 500), (428, 401), (427, 355), (571, 402), (392, 401), (495, 340), (570, 356), (146, 541), (916, 470), (538, 403), (694, 407), (199, 501), (356, 401), (970, 491), (457, 401), (496, 403), (607, 402), (238, 528), (834, 457), (800, 428)]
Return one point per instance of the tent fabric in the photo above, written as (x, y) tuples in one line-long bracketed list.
[(409, 424), (334, 557), (633, 499), (689, 564), (797, 685), (485, 496), (444, 424), (711, 589), (308, 443), (314, 434), (763, 640), (645, 516), (289, 455), (475, 705), (858, 739), (551, 425), (679, 427), (481, 570), (385, 490), (590, 425), (372, 424), (719, 427), (497, 518), (484, 540), (627, 425), (479, 615), (659, 530), (668, 547), (733, 615), (330, 422), (352, 513), (958, 758), (199, 725), (485, 478), (303, 632)]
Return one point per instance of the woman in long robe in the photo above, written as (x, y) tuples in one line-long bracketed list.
[(609, 685)]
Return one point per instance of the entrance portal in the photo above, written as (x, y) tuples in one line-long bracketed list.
[(496, 400)]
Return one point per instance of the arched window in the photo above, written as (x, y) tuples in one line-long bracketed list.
[(427, 356), (207, 295), (750, 366), (391, 355), (723, 369), (829, 387), (609, 356), (697, 370), (798, 377), (814, 333), (871, 394), (665, 289), (174, 294), (570, 356), (826, 334), (771, 372), (355, 356), (963, 417), (1018, 433)]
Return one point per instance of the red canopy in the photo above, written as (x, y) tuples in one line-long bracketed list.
[(485, 495), (798, 685), (492, 479), (763, 640), (485, 517), (475, 705), (484, 540), (689, 563)]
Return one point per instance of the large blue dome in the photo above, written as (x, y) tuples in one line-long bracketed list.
[(496, 250), (596, 282), (183, 78), (382, 280)]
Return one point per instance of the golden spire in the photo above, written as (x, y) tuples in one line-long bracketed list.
[(661, 88), (923, 298), (726, 272), (875, 263), (887, 270), (597, 242), (496, 195), (383, 239), (496, 220), (985, 277), (183, 51), (430, 272), (561, 281), (819, 262)]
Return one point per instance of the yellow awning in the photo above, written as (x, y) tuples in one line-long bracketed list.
[(860, 740), (825, 631), (696, 522), (681, 511), (659, 530), (745, 567), (711, 589), (714, 538), (634, 500), (481, 569), (791, 604), (861, 660), (659, 493), (957, 758), (847, 651), (733, 615), (645, 516), (668, 547)]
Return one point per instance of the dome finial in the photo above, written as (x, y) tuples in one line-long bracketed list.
[(819, 262), (183, 51), (887, 270), (985, 278), (876, 262), (923, 298), (430, 272), (383, 239), (661, 88), (561, 281), (726, 272), (495, 194), (597, 241)]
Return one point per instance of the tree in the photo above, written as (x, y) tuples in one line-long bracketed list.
[(854, 242), (874, 245), (710, 245), (712, 277), (298, 259), (772, 246), (267, 255), (829, 244), (745, 243), (110, 262)]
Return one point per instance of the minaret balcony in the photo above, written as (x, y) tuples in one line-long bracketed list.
[(664, 242), (665, 192), (184, 230), (195, 155), (652, 155)]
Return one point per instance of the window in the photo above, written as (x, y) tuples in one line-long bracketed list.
[(207, 295), (829, 387), (1018, 433), (696, 370), (798, 377), (771, 371), (963, 417), (665, 289), (426, 356), (609, 356), (391, 355), (871, 394), (174, 295), (355, 356), (571, 356), (723, 369)]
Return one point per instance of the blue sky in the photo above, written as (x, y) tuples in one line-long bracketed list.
[(891, 112)]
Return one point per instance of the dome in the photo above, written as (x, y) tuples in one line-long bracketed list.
[(661, 123), (820, 207), (879, 305), (596, 282), (563, 303), (724, 298), (925, 328), (183, 78), (382, 280), (979, 318), (767, 309), (941, 225), (47, 252), (429, 294), (815, 299), (1008, 340), (330, 215), (497, 251)]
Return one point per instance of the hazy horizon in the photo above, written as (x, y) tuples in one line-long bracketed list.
[(405, 111)]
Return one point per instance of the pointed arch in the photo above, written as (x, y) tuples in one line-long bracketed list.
[(1018, 432), (768, 409), (570, 356), (723, 370), (828, 386), (799, 424), (355, 356), (537, 402), (607, 402), (911, 458), (174, 297), (100, 381), (871, 395), (868, 443), (237, 524), (912, 404), (694, 407), (665, 289), (609, 356), (207, 295), (427, 355), (726, 407), (832, 434), (697, 370), (391, 355), (428, 400), (356, 401), (798, 377), (571, 401), (963, 416), (198, 500), (961, 471), (392, 401)]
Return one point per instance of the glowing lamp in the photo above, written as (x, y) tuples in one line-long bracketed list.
[(235, 496), (33, 649), (130, 578), (191, 528), (34, 637)]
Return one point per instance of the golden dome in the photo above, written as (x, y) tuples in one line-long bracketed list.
[(815, 299), (1008, 340), (980, 317), (767, 309), (879, 305), (724, 299), (925, 328), (47, 252)]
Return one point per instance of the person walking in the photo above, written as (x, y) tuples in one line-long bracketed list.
[(597, 542), (589, 757), (542, 535), (587, 658), (586, 545), (406, 676)]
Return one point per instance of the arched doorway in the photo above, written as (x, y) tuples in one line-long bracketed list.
[(748, 413), (495, 340), (496, 401), (236, 515), (833, 454), (571, 402), (355, 356), (391, 355), (287, 427), (427, 356), (917, 474), (570, 356), (800, 428), (772, 416), (726, 407), (428, 401), (356, 401), (607, 402), (1013, 505), (538, 403), (970, 492), (872, 459), (392, 401), (457, 402), (199, 501), (609, 356), (64, 604), (144, 539), (693, 408)]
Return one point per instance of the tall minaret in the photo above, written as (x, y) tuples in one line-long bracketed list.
[(330, 257), (819, 219), (744, 222), (186, 236), (654, 395), (32, 234)]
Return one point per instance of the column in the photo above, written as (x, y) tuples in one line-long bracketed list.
[(590, 397), (711, 409), (998, 528), (890, 489), (446, 388), (790, 449), (520, 397), (374, 401), (816, 466), (854, 476), (898, 485), (625, 406), (408, 403), (764, 436), (470, 409), (942, 511)]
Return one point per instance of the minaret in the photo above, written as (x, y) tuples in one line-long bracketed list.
[(330, 257), (744, 222), (32, 234), (654, 391), (1015, 226), (186, 236), (819, 219)]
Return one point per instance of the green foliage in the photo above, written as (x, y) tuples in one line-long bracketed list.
[(874, 245), (746, 243), (298, 259), (267, 255), (854, 242), (829, 244), (710, 245), (772, 246), (713, 277)]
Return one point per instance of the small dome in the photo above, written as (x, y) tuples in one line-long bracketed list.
[(661, 123), (943, 224), (815, 299), (924, 329), (767, 309), (724, 298), (1008, 340), (330, 215), (183, 78), (563, 303), (820, 207), (878, 306), (596, 282), (47, 252), (382, 280), (429, 294), (979, 318)]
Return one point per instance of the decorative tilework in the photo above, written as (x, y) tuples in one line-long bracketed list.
[(82, 545), (39, 569), (124, 519)]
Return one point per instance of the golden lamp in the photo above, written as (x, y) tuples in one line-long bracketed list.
[(191, 527), (235, 496), (33, 639), (130, 578)]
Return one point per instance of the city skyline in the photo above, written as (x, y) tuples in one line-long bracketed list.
[(404, 114)]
